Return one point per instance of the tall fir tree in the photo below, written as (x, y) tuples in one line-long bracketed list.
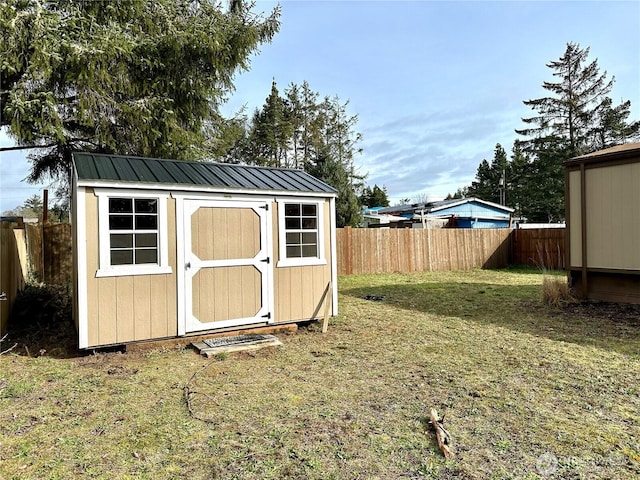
[(577, 117), (568, 113), (374, 196), (611, 126), (491, 178), (301, 131), (140, 77)]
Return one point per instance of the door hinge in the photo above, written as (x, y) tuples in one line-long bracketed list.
[(266, 260), (267, 316), (265, 206)]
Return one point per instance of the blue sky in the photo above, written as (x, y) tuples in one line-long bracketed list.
[(435, 84)]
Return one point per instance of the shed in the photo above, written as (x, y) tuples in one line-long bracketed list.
[(603, 222), (167, 248)]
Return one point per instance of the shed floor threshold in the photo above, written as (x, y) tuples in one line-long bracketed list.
[(235, 343)]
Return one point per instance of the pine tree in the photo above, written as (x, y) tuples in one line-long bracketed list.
[(271, 132), (568, 113), (482, 186), (374, 196), (518, 180), (611, 127), (140, 77), (317, 136), (576, 118), (332, 172)]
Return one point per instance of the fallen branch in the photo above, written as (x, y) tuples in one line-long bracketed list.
[(2, 352), (189, 393), (444, 439)]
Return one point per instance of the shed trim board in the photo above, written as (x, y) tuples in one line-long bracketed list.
[(246, 261), (334, 258), (195, 189), (81, 267)]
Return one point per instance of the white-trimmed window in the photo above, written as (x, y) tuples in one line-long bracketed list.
[(133, 233), (301, 232)]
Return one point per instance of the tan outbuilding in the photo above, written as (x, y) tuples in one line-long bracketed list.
[(603, 220), (167, 248)]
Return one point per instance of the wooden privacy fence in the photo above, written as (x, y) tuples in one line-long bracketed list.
[(541, 247), (13, 269), (369, 250), (49, 249)]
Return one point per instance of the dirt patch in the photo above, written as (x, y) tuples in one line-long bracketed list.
[(615, 312)]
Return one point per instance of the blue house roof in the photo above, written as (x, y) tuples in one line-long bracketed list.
[(466, 206), (467, 212)]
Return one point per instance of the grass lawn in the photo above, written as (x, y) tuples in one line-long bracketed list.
[(527, 391)]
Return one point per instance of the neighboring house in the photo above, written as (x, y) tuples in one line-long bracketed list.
[(603, 224), (372, 218), (167, 248), (455, 213), (375, 221)]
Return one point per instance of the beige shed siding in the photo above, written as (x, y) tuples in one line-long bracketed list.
[(299, 290), (575, 219), (129, 308), (613, 216)]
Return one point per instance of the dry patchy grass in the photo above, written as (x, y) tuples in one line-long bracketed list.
[(529, 391)]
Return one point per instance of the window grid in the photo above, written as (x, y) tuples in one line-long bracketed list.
[(301, 230), (133, 231)]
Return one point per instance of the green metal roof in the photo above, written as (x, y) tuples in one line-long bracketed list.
[(102, 168)]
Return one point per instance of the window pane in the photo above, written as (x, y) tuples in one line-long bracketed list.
[(309, 238), (292, 223), (293, 239), (120, 222), (309, 223), (120, 205), (146, 222), (146, 256), (146, 240), (309, 210), (146, 205), (121, 240), (294, 252), (309, 251), (121, 257), (292, 209)]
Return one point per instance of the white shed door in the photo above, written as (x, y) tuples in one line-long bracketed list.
[(226, 264)]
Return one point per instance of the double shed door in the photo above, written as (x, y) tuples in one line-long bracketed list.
[(227, 276)]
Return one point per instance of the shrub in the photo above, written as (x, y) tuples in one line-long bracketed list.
[(556, 291)]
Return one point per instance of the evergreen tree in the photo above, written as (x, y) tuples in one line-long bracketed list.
[(611, 127), (568, 113), (271, 132), (518, 180), (298, 130), (576, 118), (374, 197), (139, 77), (332, 172), (462, 192)]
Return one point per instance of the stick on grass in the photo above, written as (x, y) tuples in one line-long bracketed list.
[(441, 433)]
